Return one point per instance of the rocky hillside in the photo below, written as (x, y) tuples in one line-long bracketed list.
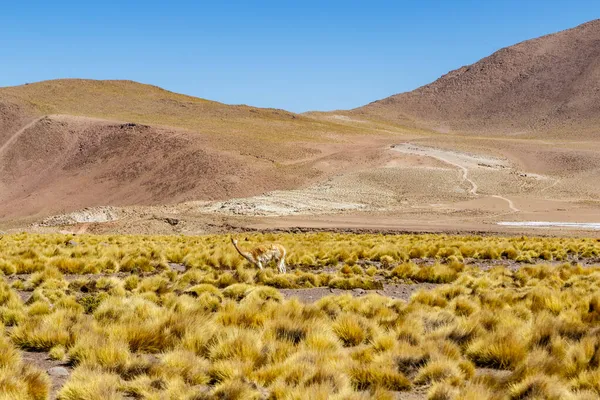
[(549, 85)]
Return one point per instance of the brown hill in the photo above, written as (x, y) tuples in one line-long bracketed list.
[(549, 85), (68, 144)]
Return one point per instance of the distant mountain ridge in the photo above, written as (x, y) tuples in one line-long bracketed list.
[(546, 85)]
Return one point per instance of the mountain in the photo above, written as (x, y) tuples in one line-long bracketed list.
[(73, 143), (545, 86)]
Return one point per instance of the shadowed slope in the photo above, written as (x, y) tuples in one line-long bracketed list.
[(60, 163)]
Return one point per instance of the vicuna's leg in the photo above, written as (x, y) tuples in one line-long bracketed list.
[(259, 263), (282, 268)]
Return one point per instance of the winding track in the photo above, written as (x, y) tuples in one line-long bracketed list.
[(511, 205), (18, 133), (465, 177), (465, 174), (556, 182)]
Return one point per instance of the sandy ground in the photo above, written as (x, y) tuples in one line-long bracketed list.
[(459, 186), (45, 363), (61, 173), (395, 291), (401, 182), (432, 188)]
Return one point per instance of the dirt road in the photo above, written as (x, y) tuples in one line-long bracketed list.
[(462, 161), (18, 133)]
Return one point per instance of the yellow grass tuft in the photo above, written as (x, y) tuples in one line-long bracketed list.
[(369, 377), (540, 386), (497, 350), (440, 370), (19, 380), (350, 330), (89, 383), (111, 353)]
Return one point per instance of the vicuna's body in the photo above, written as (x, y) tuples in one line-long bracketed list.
[(261, 255)]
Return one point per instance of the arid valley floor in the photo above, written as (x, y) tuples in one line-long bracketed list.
[(395, 182)]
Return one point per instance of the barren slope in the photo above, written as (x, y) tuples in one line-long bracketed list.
[(549, 85), (68, 144), (72, 162), (171, 162)]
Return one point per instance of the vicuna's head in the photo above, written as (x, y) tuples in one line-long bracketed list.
[(233, 241)]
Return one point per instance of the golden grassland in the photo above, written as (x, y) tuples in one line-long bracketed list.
[(221, 329)]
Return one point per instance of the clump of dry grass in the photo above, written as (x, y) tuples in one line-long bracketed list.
[(17, 379), (351, 330), (369, 377), (44, 332), (91, 383), (540, 386), (437, 273), (95, 349), (440, 370), (497, 350), (58, 352)]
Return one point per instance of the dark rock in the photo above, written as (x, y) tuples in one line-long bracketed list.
[(172, 221)]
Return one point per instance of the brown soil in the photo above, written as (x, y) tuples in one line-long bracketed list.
[(43, 362), (395, 291)]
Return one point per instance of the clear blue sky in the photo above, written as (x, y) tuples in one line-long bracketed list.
[(296, 55)]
